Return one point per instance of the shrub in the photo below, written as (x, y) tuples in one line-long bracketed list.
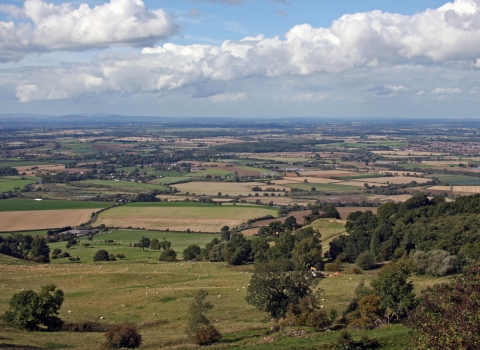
[(435, 262), (57, 251), (191, 252), (365, 261), (332, 267), (122, 336), (356, 271), (207, 335), (111, 257), (101, 255), (84, 326), (318, 320), (168, 255), (65, 255)]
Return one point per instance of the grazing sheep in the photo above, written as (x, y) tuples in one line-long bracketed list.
[(219, 296), (69, 312)]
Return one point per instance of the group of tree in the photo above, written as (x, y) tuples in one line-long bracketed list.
[(25, 247), (153, 243), (440, 237)]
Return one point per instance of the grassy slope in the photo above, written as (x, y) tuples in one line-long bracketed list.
[(9, 184)]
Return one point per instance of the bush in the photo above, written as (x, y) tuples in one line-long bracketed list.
[(122, 336), (207, 335), (168, 255), (318, 320), (332, 267), (65, 255), (365, 261), (101, 255), (84, 326), (57, 251), (435, 262), (191, 252)]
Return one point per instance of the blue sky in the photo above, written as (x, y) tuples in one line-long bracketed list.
[(260, 58)]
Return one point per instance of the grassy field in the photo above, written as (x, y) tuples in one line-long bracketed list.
[(361, 176), (11, 185), (180, 216), (170, 180), (212, 188), (19, 204), (133, 292), (457, 179), (329, 228)]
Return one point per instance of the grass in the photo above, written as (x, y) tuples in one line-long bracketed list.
[(10, 184), (18, 204), (413, 166), (458, 179), (170, 180), (361, 176), (329, 228), (123, 239), (212, 172)]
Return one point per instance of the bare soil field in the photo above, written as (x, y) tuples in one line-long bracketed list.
[(394, 180), (198, 219), (396, 198), (212, 188), (328, 173), (43, 219), (241, 172), (344, 211)]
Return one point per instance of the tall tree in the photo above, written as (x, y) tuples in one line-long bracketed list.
[(196, 312)]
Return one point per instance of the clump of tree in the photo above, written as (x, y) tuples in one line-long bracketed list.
[(192, 252), (199, 327), (155, 244), (308, 312), (25, 247), (168, 255), (103, 255), (8, 171), (320, 212), (29, 309), (435, 262), (447, 314)]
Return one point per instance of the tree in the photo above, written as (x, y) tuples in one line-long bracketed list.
[(155, 244), (168, 255), (122, 336), (290, 223), (29, 309), (275, 285), (40, 250), (308, 253), (196, 313), (164, 244), (207, 335), (101, 255), (392, 287), (365, 261), (191, 252), (447, 316), (144, 242), (225, 233)]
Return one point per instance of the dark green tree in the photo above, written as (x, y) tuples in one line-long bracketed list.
[(168, 255), (29, 309), (40, 250), (225, 233), (308, 253), (101, 255), (144, 242), (191, 252)]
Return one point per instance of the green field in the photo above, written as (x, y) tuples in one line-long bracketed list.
[(413, 166), (10, 184), (329, 229), (170, 180), (457, 179), (324, 187), (17, 204), (361, 176)]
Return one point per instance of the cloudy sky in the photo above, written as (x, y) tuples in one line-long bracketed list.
[(241, 58)]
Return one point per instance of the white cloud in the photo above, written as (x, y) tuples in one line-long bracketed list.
[(229, 97), (51, 27), (440, 91), (353, 45), (226, 2)]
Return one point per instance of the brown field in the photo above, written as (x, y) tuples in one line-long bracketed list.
[(43, 219), (467, 189), (198, 219), (280, 200), (344, 211), (241, 172), (360, 183), (328, 173), (394, 179), (48, 168), (396, 198)]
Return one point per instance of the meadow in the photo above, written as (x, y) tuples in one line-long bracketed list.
[(457, 179), (180, 216), (212, 188), (124, 184), (13, 184), (325, 187)]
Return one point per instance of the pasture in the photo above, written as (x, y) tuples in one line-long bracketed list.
[(124, 185), (13, 184), (457, 179), (155, 296), (180, 216), (26, 220), (326, 187)]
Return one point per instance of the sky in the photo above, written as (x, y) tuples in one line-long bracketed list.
[(241, 58)]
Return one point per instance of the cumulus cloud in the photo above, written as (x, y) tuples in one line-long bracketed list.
[(226, 2), (440, 91), (229, 97), (354, 43), (46, 27)]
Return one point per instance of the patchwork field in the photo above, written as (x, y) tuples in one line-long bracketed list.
[(181, 216), (395, 180), (313, 180), (19, 204), (43, 219), (326, 187), (457, 179), (466, 189), (329, 228), (13, 184)]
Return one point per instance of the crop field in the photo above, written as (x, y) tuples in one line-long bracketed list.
[(361, 176), (170, 180), (212, 188), (211, 171), (18, 204), (326, 187), (466, 189), (181, 216), (396, 180), (457, 179), (344, 211), (313, 180), (43, 219)]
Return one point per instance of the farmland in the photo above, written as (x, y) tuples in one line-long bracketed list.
[(18, 204), (212, 188), (181, 216)]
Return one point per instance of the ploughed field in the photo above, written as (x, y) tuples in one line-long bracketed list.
[(180, 216)]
